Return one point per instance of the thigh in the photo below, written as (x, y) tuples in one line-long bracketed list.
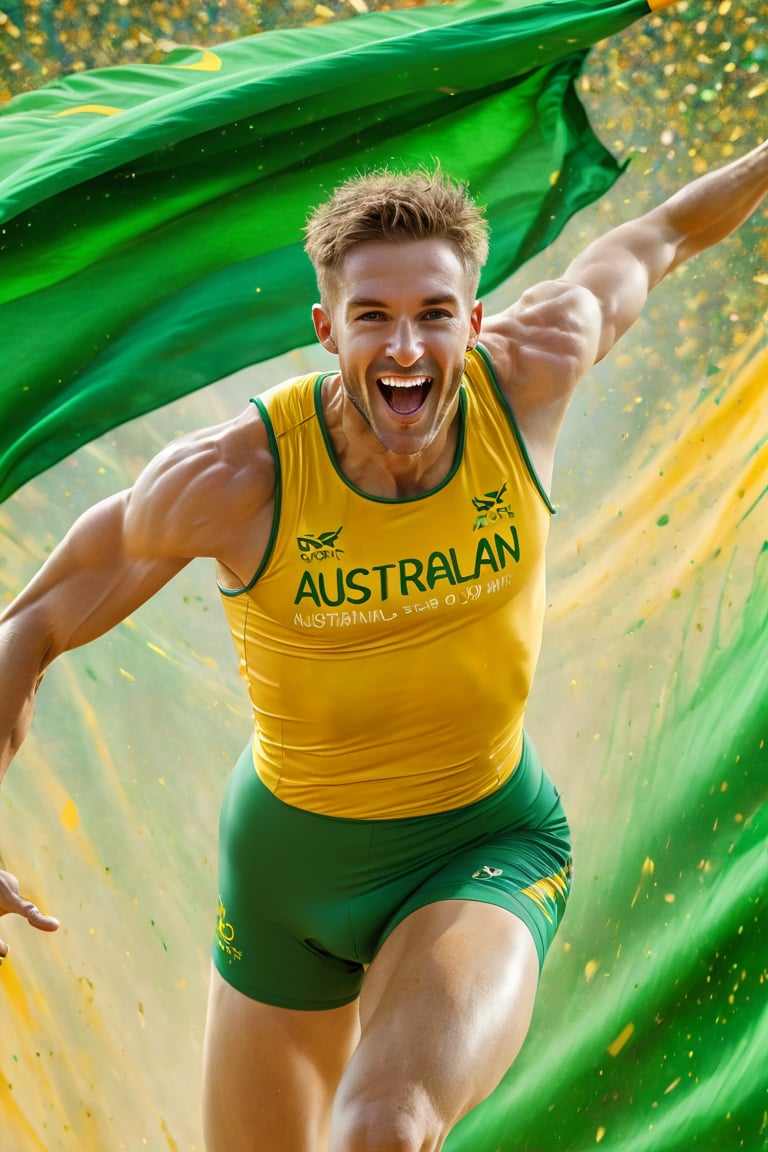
[(445, 1008), (270, 1073), (286, 879), (512, 850), (525, 872)]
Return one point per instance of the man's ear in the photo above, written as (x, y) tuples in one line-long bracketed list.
[(475, 322), (322, 323)]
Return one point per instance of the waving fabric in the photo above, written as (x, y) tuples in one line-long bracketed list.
[(152, 216)]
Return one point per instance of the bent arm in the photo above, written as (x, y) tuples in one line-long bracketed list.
[(621, 268), (202, 496), (88, 585)]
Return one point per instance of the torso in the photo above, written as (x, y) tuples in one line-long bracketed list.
[(376, 599)]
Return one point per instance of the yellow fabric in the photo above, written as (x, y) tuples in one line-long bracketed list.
[(389, 645)]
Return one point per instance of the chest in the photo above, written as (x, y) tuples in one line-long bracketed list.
[(357, 563)]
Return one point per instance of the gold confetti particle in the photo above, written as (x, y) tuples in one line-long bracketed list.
[(616, 1046), (590, 969), (69, 815), (154, 648)]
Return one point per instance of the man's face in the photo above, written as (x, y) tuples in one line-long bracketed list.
[(401, 320)]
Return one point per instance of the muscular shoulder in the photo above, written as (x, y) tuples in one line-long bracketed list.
[(540, 349), (547, 340), (202, 490)]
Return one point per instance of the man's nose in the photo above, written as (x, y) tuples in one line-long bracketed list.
[(405, 344)]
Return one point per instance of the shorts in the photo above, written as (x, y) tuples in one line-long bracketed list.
[(306, 900)]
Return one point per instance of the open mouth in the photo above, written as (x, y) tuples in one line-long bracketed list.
[(404, 395)]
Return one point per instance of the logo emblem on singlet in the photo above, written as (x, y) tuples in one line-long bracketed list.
[(319, 546), (489, 500), (490, 506), (486, 873)]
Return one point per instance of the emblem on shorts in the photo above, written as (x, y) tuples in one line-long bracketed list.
[(225, 936), (486, 873)]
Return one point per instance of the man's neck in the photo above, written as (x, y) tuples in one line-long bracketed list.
[(369, 466)]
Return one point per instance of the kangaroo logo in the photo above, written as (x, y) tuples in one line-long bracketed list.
[(491, 506), (489, 500), (315, 542)]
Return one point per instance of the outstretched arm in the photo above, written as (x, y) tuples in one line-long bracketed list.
[(544, 344), (621, 268), (200, 496), (209, 494), (88, 585)]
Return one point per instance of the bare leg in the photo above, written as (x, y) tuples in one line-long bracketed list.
[(270, 1074), (445, 1008)]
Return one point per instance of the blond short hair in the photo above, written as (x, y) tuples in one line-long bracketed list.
[(394, 206)]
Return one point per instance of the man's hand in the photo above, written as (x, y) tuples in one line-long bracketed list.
[(12, 901)]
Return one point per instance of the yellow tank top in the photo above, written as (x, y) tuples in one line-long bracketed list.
[(389, 645)]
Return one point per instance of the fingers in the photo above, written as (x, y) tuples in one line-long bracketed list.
[(11, 901), (38, 920)]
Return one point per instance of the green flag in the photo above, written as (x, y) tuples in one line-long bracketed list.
[(151, 217)]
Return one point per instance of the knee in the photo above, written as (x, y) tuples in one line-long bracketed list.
[(386, 1124)]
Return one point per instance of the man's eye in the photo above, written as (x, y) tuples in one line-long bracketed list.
[(435, 314)]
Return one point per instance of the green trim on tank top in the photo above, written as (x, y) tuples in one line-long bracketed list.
[(516, 429), (278, 499), (390, 499), (317, 387)]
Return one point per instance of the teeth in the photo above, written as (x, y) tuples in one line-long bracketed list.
[(404, 381)]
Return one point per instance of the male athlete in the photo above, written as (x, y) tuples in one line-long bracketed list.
[(379, 535)]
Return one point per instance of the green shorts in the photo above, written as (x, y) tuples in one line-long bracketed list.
[(306, 900)]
